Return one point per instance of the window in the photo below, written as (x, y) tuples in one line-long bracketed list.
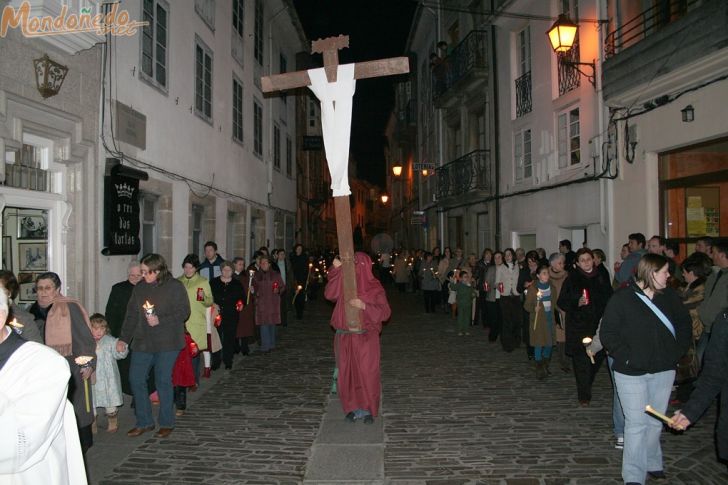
[(203, 80), (257, 128), (276, 147), (289, 157), (198, 212), (206, 10), (524, 51), (154, 42), (238, 18), (237, 110), (569, 139), (258, 40), (148, 211), (522, 154), (524, 102)]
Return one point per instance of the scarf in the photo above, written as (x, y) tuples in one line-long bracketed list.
[(544, 292), (58, 335)]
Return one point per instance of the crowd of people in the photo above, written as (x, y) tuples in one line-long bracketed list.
[(657, 320), (158, 336), (650, 318)]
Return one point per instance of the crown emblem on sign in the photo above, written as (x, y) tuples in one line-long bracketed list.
[(124, 190)]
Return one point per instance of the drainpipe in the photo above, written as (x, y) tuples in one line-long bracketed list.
[(496, 133)]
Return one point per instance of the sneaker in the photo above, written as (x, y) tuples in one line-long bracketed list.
[(619, 445)]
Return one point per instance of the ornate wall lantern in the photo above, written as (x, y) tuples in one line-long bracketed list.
[(49, 76)]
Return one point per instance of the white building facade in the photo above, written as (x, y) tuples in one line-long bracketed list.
[(550, 120), (665, 78), (180, 101)]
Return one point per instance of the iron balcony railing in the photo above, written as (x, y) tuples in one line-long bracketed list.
[(468, 55), (524, 101), (469, 172), (646, 23), (569, 76)]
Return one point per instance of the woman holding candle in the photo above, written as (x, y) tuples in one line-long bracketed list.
[(68, 332), (227, 293), (509, 301), (155, 326), (583, 297), (646, 329), (492, 295), (267, 288)]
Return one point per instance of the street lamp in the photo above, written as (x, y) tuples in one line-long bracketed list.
[(688, 113), (562, 35), (397, 170), (384, 198)]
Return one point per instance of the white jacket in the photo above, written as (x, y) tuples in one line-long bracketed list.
[(39, 440)]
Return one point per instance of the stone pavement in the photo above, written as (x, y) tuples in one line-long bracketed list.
[(455, 410)]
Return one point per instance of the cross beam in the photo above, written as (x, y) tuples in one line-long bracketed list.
[(329, 47)]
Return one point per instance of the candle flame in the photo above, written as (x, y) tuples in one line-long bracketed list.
[(147, 306), (586, 340), (15, 323)]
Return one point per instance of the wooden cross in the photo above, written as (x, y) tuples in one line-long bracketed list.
[(329, 47)]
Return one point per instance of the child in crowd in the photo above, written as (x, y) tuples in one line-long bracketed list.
[(464, 294), (539, 305), (107, 388)]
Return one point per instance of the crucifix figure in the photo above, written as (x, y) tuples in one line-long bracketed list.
[(334, 86)]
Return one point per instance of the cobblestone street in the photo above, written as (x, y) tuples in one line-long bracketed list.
[(455, 410)]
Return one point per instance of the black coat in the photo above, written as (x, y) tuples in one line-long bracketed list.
[(637, 339), (713, 380), (582, 321)]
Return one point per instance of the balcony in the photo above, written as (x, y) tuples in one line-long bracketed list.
[(468, 177), (464, 70), (660, 40), (524, 101)]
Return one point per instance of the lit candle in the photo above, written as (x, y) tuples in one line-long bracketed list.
[(17, 326), (587, 342), (84, 361), (148, 308), (298, 290)]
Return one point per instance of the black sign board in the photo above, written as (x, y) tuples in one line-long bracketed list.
[(313, 143), (121, 215)]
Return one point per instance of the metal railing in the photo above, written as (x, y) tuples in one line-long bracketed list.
[(469, 54), (469, 172), (524, 101), (569, 76), (648, 22)]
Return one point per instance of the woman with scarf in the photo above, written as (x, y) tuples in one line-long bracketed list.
[(357, 350), (68, 332), (540, 307), (557, 275), (583, 298)]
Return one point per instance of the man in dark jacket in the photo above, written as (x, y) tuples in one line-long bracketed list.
[(210, 267), (712, 381)]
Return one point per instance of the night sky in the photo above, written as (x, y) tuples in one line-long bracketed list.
[(377, 29)]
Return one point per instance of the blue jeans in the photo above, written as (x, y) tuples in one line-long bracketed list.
[(617, 413), (141, 364), (267, 337), (642, 451)]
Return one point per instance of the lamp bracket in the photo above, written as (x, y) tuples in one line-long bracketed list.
[(591, 77)]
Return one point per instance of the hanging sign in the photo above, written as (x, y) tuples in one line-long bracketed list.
[(121, 215)]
